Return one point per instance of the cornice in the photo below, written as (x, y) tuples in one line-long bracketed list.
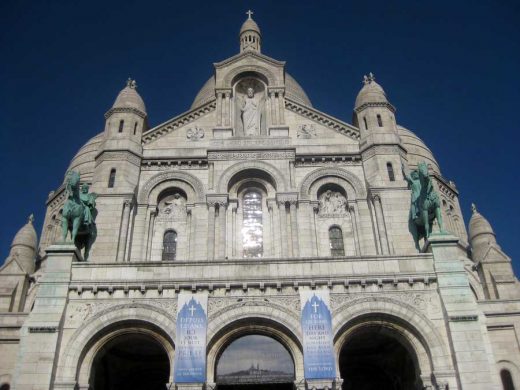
[(125, 110), (245, 54), (323, 119), (382, 104)]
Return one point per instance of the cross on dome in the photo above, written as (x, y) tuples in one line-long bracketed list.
[(369, 79), (249, 13), (131, 83)]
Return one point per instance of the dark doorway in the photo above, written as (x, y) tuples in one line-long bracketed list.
[(131, 362), (372, 360)]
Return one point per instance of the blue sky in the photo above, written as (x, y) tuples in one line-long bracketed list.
[(450, 68)]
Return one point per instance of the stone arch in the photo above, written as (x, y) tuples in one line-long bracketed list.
[(195, 184), (257, 317), (408, 322), (233, 73), (269, 169), (80, 350), (513, 370), (353, 180)]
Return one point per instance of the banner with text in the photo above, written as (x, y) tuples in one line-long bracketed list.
[(318, 352), (190, 344)]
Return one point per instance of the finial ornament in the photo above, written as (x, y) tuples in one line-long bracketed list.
[(131, 83), (368, 79), (474, 208), (249, 13), (30, 219)]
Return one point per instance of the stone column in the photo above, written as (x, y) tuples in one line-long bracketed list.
[(354, 219), (211, 230), (468, 334), (380, 222), (294, 228), (314, 209), (211, 169), (272, 237), (277, 234), (228, 108), (151, 223), (189, 231), (282, 216), (272, 106), (123, 231), (234, 207), (219, 108), (222, 208), (281, 119), (292, 174), (138, 241), (41, 333)]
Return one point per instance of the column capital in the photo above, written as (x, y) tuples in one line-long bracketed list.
[(217, 199), (283, 197)]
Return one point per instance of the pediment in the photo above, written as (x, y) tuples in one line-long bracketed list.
[(494, 253), (12, 267)]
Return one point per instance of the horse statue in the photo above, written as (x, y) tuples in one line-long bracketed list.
[(425, 204), (79, 214)]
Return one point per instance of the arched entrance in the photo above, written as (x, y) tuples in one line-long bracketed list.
[(374, 357), (131, 361), (255, 362)]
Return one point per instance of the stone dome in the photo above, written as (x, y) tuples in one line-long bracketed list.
[(293, 91), (26, 236), (249, 25), (129, 98), (417, 149), (478, 225), (371, 92), (84, 161)]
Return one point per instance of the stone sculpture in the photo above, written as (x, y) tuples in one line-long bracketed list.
[(79, 214), (174, 205), (332, 203), (250, 114), (425, 205)]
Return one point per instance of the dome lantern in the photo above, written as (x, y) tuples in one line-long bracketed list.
[(250, 36)]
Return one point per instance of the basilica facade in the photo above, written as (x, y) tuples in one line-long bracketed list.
[(252, 198)]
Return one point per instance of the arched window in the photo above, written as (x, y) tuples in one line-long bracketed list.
[(252, 228), (169, 245), (336, 241), (507, 380), (5, 386), (121, 125), (390, 169), (112, 178), (366, 124), (379, 120), (135, 128)]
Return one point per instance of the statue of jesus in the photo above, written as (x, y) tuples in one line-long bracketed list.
[(250, 114)]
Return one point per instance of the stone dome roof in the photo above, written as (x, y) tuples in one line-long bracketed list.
[(129, 98), (249, 25), (371, 92), (293, 90), (26, 236), (84, 161), (479, 225), (417, 149)]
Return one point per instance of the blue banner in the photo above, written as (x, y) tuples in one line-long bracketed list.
[(316, 321), (190, 343)]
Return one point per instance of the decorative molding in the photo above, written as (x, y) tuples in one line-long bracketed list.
[(323, 119), (195, 133), (43, 329), (254, 142), (374, 104), (252, 155), (463, 318), (194, 182), (125, 110), (119, 155), (221, 200), (338, 172), (179, 121), (291, 197), (170, 164), (306, 130), (333, 160), (271, 170)]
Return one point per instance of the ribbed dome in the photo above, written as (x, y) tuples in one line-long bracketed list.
[(371, 92), (417, 149), (478, 225), (84, 161), (249, 25), (26, 236), (293, 90), (129, 98)]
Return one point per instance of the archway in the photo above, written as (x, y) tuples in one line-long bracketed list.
[(255, 362), (131, 361), (374, 357)]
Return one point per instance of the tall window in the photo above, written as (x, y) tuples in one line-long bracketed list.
[(121, 124), (507, 380), (135, 128), (169, 245), (379, 120), (252, 228), (365, 121), (336, 241), (112, 178), (390, 169)]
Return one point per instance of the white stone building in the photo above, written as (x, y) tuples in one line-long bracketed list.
[(250, 196)]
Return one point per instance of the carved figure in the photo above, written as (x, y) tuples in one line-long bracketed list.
[(332, 203), (175, 205), (194, 134), (425, 205), (250, 113), (79, 214), (306, 131)]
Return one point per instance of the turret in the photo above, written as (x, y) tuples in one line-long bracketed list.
[(24, 245), (375, 118), (250, 37), (493, 265)]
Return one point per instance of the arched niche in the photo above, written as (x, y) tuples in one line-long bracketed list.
[(352, 185), (192, 187), (251, 169), (250, 105)]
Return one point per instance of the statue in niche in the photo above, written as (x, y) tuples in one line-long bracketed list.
[(332, 203), (250, 108), (173, 206)]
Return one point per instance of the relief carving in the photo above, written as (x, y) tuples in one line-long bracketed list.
[(306, 131), (332, 203), (195, 133)]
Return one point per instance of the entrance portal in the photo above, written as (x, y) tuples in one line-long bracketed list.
[(133, 362), (372, 359), (255, 362)]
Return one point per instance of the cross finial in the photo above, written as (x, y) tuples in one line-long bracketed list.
[(473, 208), (249, 13), (131, 83), (368, 79), (31, 219)]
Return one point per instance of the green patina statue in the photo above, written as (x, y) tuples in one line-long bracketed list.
[(79, 214), (425, 204)]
